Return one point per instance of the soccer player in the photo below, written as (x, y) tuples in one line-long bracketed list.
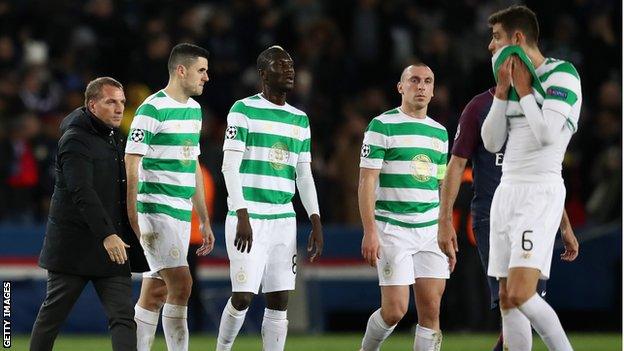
[(164, 184), (536, 117), (486, 170), (403, 160), (265, 153)]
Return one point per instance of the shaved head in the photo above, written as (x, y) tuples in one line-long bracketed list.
[(407, 69)]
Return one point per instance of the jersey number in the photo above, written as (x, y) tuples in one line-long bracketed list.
[(527, 245), (294, 264)]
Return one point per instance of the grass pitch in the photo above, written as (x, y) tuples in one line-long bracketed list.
[(332, 342)]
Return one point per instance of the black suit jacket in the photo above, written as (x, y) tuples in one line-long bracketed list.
[(89, 202)]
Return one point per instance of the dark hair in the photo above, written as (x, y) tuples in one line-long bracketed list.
[(94, 88), (265, 57), (517, 17), (184, 54)]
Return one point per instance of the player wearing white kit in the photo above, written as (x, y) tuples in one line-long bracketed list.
[(403, 161), (266, 152), (537, 117), (164, 183)]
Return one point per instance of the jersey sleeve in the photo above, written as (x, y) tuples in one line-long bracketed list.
[(442, 161), (237, 128), (305, 155), (374, 145), (563, 90), (467, 135), (145, 125)]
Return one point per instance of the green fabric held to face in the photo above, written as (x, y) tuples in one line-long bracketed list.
[(499, 58)]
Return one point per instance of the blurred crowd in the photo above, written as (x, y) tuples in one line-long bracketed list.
[(348, 57)]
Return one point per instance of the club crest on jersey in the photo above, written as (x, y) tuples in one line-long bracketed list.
[(365, 150), (279, 155), (230, 132), (387, 270), (422, 168), (241, 276), (137, 135)]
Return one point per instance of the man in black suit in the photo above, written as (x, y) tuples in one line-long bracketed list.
[(88, 237)]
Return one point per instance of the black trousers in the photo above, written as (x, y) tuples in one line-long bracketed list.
[(63, 290)]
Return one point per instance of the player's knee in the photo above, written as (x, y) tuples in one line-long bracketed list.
[(241, 301), (430, 309), (516, 299), (182, 288), (394, 313), (277, 301)]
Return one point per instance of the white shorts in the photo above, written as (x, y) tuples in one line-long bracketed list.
[(272, 260), (165, 242), (524, 219), (408, 254)]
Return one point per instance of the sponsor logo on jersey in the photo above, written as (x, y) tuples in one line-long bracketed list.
[(186, 152), (422, 168), (457, 132)]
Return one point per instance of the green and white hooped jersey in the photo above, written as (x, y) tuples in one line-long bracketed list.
[(273, 140), (411, 154), (166, 133)]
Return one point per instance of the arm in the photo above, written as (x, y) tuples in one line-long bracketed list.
[(569, 239), (199, 204), (231, 165), (546, 122), (494, 129), (366, 203), (447, 237), (77, 169), (307, 193), (132, 175)]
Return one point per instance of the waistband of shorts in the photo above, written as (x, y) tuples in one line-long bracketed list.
[(266, 216), (531, 179)]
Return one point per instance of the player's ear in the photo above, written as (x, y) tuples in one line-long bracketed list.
[(181, 70), (400, 88)]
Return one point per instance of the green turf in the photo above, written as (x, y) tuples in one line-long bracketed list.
[(337, 342)]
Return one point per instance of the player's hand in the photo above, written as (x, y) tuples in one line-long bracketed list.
[(447, 241), (244, 236), (370, 248), (315, 240), (521, 77), (208, 239), (570, 244), (504, 79), (116, 249)]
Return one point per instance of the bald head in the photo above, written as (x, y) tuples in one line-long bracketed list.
[(407, 71)]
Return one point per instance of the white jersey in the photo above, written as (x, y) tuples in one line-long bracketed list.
[(527, 160)]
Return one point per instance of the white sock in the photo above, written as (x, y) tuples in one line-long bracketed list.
[(175, 327), (546, 323), (146, 322), (376, 332), (274, 330), (517, 335), (231, 322), (426, 339)]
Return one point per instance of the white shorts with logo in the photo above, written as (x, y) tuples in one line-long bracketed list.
[(524, 219), (408, 254), (272, 260), (165, 242)]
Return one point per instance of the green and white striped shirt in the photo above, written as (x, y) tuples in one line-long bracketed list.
[(273, 140), (166, 133), (411, 154)]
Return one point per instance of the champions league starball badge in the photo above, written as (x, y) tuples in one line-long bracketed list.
[(137, 135), (230, 132)]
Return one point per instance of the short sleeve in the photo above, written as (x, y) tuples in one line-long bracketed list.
[(237, 128), (563, 89), (374, 145), (143, 128), (305, 155), (468, 130)]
